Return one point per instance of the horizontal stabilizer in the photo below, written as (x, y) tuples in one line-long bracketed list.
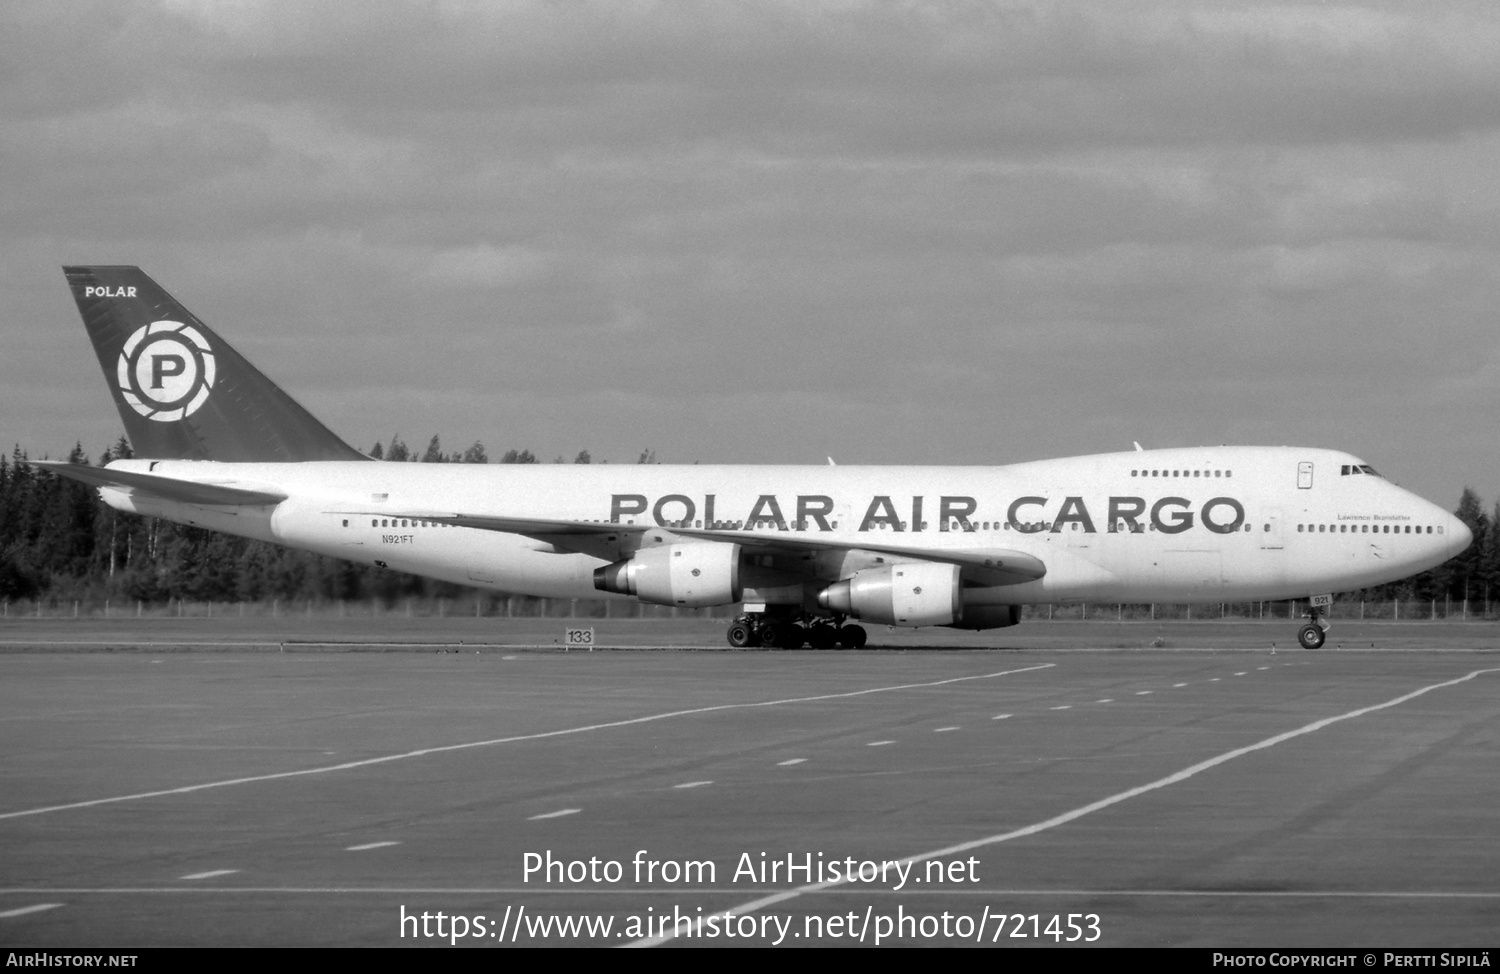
[(171, 488)]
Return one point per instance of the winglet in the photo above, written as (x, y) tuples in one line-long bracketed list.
[(181, 390)]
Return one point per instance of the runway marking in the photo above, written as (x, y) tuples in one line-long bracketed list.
[(791, 761), (557, 814), (1262, 667), (879, 743), (1214, 679), (370, 845), (1176, 686), (1241, 673), (1144, 693), (1000, 717), (210, 874), (1106, 700), (944, 730), (543, 735), (23, 911), (1077, 813), (693, 784)]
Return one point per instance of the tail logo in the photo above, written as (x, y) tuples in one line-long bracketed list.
[(166, 370)]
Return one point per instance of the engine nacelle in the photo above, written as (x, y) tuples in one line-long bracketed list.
[(988, 617), (922, 594), (692, 574)]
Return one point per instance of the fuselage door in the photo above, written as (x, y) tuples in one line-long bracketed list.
[(1304, 475), (1270, 531)]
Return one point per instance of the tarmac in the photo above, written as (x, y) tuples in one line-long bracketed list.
[(305, 783)]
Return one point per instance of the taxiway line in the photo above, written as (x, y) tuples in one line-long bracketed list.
[(448, 748), (1077, 813)]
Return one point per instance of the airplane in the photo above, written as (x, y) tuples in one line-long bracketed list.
[(808, 551)]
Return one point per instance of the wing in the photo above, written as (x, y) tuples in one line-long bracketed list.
[(222, 493), (984, 566)]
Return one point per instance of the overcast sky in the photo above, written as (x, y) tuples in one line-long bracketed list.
[(774, 232)]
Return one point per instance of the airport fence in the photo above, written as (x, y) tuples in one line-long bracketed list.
[(529, 607)]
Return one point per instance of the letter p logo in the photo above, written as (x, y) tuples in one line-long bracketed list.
[(166, 367), (166, 370)]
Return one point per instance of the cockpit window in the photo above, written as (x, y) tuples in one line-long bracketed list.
[(1357, 468), (1368, 469)]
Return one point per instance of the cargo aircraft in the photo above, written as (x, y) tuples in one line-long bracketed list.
[(809, 551)]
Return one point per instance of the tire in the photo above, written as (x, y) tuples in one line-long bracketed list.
[(822, 637), (852, 637), (771, 636), (741, 635), (1311, 636)]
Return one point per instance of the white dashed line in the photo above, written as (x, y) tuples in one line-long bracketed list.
[(879, 743), (1144, 693), (370, 845), (1000, 717), (1106, 700), (783, 764), (696, 928), (693, 784), (1178, 686), (1213, 679), (496, 741), (29, 909), (557, 814), (210, 874), (944, 730), (1242, 672), (1262, 667)]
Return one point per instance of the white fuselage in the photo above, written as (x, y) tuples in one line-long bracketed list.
[(1204, 524)]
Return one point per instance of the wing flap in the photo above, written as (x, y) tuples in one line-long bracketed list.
[(170, 488)]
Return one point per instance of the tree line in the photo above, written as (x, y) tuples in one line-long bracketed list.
[(60, 542)]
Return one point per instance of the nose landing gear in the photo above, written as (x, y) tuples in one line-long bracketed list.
[(1315, 632)]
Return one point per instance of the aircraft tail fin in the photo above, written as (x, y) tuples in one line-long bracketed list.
[(182, 391)]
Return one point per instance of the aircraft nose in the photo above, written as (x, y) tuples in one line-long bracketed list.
[(1459, 536)]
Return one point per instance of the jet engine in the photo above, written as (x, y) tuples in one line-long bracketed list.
[(691, 574), (920, 594)]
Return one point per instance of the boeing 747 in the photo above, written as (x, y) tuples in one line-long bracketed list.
[(810, 551)]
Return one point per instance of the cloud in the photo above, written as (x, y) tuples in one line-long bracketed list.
[(926, 231)]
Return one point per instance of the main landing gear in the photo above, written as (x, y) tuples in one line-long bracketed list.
[(755, 629), (1315, 632)]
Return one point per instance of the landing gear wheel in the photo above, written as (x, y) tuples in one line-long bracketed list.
[(822, 636), (852, 637), (1311, 636), (741, 635), (773, 636)]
